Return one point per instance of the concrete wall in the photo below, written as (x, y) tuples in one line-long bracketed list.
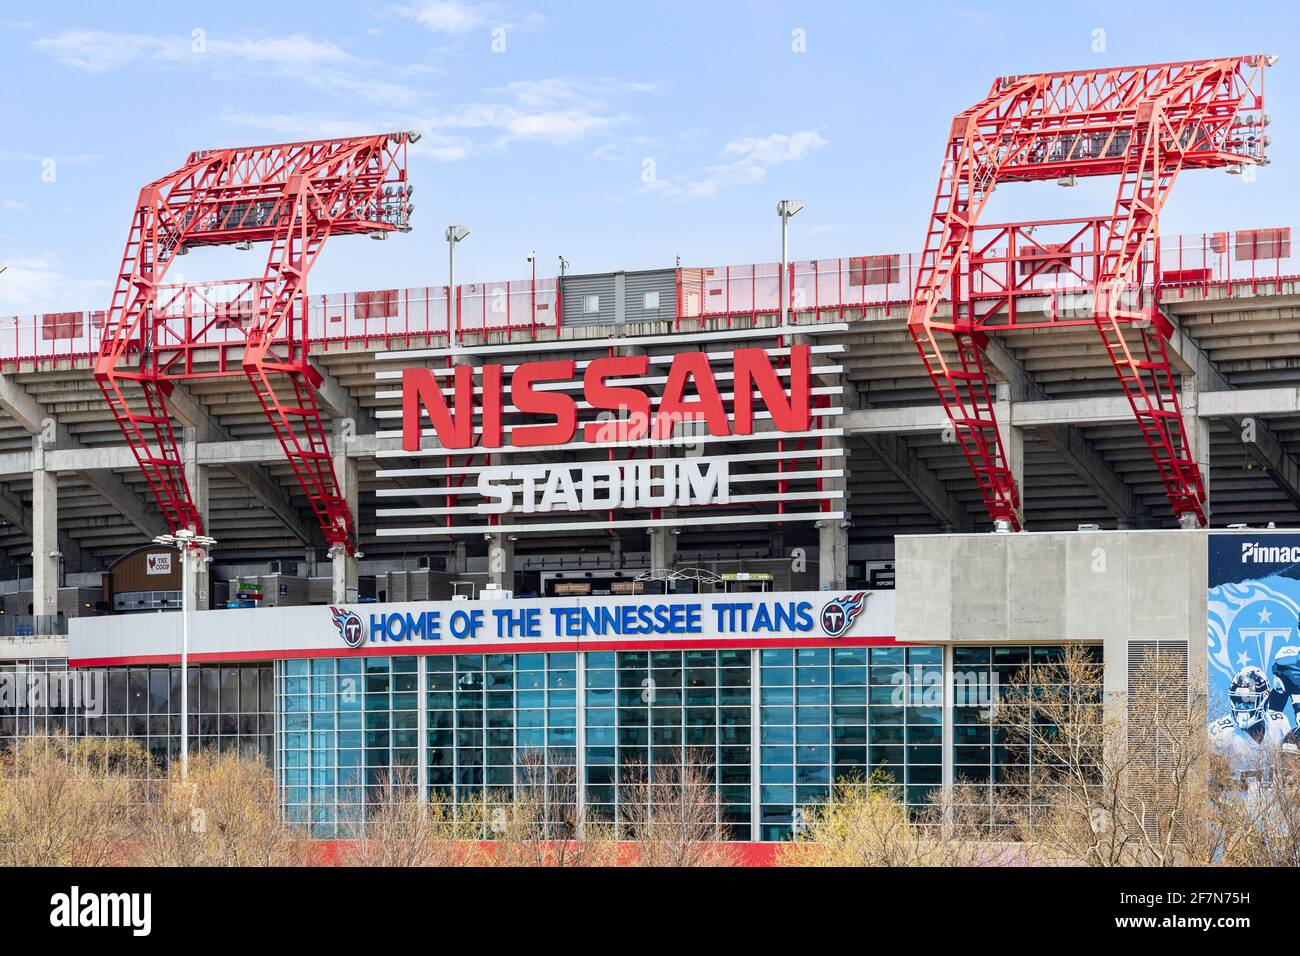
[(1107, 587)]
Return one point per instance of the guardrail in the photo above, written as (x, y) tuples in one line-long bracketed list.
[(215, 314), (828, 288)]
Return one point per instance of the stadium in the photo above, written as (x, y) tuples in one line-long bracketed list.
[(723, 509)]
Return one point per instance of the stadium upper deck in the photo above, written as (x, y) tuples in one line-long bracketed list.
[(1231, 296)]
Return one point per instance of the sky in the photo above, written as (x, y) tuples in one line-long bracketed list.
[(620, 135)]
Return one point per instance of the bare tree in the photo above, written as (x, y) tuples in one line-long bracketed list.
[(543, 824), (865, 823), (669, 812), (68, 802), (1135, 787), (402, 829), (226, 814)]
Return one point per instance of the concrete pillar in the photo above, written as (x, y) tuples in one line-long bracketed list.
[(620, 300), (776, 541), (832, 554), (344, 571), (1013, 438), (948, 773), (45, 542), (1198, 433), (197, 477), (343, 567), (833, 533), (457, 559), (663, 549), (501, 561)]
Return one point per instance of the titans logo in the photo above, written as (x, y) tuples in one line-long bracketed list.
[(839, 613), (349, 626)]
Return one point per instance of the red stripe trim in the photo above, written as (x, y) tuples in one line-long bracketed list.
[(403, 649)]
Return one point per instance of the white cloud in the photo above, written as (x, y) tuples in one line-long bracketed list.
[(318, 63), (295, 49), (555, 91), (446, 16), (747, 162), (774, 149), (458, 17), (305, 125), (36, 284), (555, 110), (509, 123), (556, 126), (98, 50), (558, 111), (438, 147)]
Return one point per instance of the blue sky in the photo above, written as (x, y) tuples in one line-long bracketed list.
[(620, 135)]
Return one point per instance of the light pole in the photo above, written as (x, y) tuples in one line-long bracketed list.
[(192, 547), (532, 261), (454, 234), (786, 208)]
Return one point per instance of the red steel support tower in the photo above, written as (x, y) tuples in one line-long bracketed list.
[(1144, 124), (293, 196)]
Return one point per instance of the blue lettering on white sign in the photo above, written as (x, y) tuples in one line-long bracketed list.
[(590, 620)]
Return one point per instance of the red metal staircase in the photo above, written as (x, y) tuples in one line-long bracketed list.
[(1143, 124), (293, 196)]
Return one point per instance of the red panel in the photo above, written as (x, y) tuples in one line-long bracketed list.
[(1185, 276), (873, 270), (1044, 264), (1262, 244), (62, 325)]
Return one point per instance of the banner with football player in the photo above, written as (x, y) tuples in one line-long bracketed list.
[(1254, 648)]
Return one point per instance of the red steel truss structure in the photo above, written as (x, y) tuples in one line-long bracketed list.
[(1144, 124), (293, 196)]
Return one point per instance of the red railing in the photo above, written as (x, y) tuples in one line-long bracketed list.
[(212, 315), (829, 288), (1254, 256)]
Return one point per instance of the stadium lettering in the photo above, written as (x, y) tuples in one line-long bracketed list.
[(596, 487), (691, 394)]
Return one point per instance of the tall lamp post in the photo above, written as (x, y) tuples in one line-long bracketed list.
[(193, 548), (786, 208), (454, 234), (532, 261)]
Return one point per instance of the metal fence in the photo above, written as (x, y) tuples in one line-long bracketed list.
[(216, 314), (828, 288)]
